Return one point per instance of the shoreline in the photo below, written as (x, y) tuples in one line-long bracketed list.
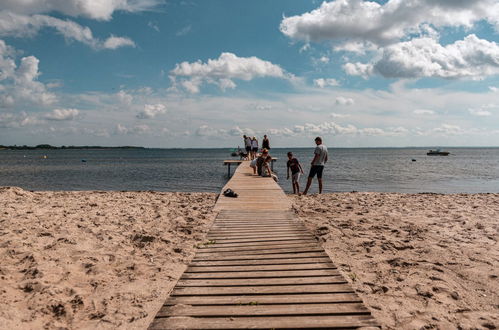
[(422, 260)]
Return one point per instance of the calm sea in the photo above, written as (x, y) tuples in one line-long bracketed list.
[(467, 170)]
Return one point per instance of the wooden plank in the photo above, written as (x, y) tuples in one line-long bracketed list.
[(247, 243), (273, 251), (263, 257), (224, 241), (262, 274), (260, 268), (254, 231), (260, 262), (324, 265), (281, 322), (269, 289), (265, 310), (247, 250), (260, 281), (287, 299)]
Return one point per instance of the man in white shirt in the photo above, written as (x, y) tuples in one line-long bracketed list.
[(320, 159)]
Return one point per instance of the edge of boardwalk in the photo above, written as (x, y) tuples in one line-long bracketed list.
[(260, 268)]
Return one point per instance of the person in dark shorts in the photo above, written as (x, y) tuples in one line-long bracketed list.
[(247, 146), (296, 170), (320, 159), (265, 143)]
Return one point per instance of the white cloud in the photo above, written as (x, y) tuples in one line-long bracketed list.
[(387, 23), (357, 47), (358, 69), (100, 10), (338, 115), (151, 111), (62, 114), (117, 42), (448, 129), (324, 59), (223, 70), (18, 84), (341, 100), (479, 112), (121, 129), (423, 112), (483, 111), (17, 25), (425, 57), (124, 98), (325, 82), (17, 120)]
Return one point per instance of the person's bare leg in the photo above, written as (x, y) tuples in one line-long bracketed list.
[(320, 185), (309, 182), (294, 188), (297, 188)]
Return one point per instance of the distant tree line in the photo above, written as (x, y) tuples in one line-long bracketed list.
[(48, 146)]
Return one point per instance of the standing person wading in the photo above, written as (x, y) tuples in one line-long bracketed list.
[(320, 159)]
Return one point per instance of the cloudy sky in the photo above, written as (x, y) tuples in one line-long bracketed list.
[(200, 73)]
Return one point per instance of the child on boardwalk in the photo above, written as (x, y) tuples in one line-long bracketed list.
[(296, 170)]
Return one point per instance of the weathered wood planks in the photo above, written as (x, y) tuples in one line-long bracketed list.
[(260, 268)]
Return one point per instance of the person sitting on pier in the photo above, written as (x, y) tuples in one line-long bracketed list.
[(261, 160), (266, 169)]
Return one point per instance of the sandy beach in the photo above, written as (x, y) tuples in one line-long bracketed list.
[(94, 260), (107, 260), (419, 261)]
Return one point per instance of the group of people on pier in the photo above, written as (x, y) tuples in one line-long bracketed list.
[(261, 163)]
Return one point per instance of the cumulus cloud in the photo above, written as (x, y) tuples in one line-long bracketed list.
[(424, 57), (151, 111), (100, 10), (326, 82), (62, 114), (124, 98), (18, 83), (341, 100), (365, 70), (17, 25), (383, 24), (18, 120), (223, 71)]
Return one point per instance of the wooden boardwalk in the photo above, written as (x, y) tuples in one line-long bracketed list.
[(259, 268)]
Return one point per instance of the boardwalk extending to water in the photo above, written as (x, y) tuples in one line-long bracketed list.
[(259, 268)]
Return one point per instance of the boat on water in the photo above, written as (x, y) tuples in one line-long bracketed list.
[(437, 152)]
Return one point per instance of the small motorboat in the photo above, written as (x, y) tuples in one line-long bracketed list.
[(437, 152)]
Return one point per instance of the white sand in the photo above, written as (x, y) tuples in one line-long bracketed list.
[(107, 260), (94, 260), (419, 261)]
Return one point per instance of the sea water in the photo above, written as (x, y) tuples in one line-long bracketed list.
[(465, 170)]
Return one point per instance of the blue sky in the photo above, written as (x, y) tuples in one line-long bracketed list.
[(202, 73)]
